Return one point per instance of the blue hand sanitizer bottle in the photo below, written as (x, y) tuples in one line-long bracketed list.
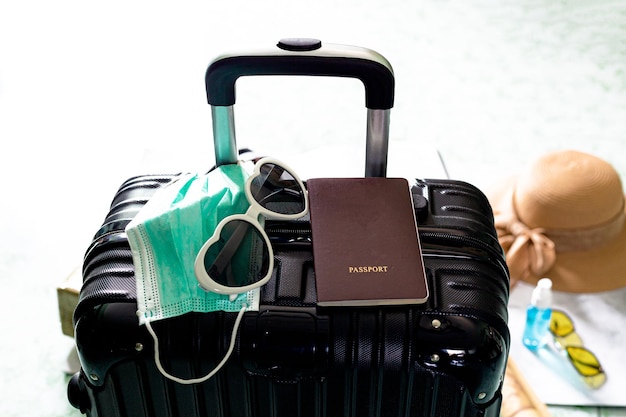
[(538, 315)]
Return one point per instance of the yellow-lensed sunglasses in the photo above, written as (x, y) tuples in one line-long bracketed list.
[(584, 361)]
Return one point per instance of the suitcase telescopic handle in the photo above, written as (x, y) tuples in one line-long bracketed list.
[(303, 56)]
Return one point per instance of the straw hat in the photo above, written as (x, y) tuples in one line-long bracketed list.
[(563, 218)]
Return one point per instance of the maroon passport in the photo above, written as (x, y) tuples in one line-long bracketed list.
[(366, 247)]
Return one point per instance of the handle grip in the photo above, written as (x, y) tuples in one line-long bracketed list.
[(304, 57)]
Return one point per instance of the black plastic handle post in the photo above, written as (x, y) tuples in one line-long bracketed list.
[(304, 57)]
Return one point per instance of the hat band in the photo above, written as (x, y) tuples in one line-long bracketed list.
[(583, 239), (532, 252)]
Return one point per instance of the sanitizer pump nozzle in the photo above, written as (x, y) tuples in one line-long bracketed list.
[(538, 315)]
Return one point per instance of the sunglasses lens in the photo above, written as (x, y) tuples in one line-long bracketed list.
[(587, 365), (585, 362), (277, 190), (560, 324), (240, 257)]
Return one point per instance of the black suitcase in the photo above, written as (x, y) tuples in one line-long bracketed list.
[(293, 358)]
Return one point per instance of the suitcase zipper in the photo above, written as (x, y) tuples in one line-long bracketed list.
[(283, 233), (440, 244)]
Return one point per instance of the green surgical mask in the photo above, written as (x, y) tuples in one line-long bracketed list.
[(199, 245), (167, 234)]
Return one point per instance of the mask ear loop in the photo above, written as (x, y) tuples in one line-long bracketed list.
[(219, 366)]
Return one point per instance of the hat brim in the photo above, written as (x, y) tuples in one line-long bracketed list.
[(602, 268)]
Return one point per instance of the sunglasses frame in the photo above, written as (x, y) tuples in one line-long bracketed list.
[(251, 216)]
